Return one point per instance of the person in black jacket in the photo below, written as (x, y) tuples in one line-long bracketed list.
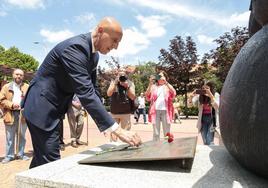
[(70, 67)]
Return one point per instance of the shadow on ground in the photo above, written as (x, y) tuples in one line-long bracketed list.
[(227, 173)]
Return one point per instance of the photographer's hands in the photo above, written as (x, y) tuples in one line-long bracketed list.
[(208, 93)]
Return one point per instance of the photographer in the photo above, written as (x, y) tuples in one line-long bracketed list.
[(208, 102), (160, 94), (121, 91)]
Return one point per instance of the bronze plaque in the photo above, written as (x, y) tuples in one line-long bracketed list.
[(180, 148)]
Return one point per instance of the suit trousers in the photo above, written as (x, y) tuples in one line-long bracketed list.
[(45, 145)]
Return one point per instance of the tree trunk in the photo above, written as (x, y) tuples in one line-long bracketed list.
[(186, 100)]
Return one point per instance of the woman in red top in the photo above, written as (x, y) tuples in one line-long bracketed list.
[(208, 105)]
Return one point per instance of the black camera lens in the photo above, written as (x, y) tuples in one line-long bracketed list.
[(122, 78)]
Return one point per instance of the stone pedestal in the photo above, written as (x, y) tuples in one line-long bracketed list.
[(212, 167)]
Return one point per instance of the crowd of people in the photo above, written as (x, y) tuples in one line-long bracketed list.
[(74, 61)]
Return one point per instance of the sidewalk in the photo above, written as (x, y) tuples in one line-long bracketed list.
[(8, 171)]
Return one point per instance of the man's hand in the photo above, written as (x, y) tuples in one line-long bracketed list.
[(129, 137), (152, 80)]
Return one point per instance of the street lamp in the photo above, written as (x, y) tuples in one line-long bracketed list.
[(43, 45)]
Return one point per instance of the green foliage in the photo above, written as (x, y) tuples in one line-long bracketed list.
[(2, 49), (13, 58), (189, 111), (141, 76), (108, 108), (229, 45), (178, 61)]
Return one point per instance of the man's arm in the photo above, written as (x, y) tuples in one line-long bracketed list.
[(131, 91), (74, 60), (3, 100), (112, 88)]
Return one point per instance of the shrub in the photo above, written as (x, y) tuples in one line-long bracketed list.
[(190, 111)]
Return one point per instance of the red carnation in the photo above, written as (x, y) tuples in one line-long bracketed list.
[(170, 135), (170, 139)]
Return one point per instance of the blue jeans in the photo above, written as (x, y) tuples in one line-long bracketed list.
[(142, 111), (207, 135), (11, 132)]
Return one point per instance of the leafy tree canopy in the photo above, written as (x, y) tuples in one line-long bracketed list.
[(13, 58)]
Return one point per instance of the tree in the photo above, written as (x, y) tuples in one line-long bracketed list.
[(142, 75), (229, 45), (13, 58), (179, 62), (2, 49)]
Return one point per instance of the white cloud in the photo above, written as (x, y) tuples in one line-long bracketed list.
[(86, 18), (56, 36), (236, 20), (191, 11), (153, 25), (133, 41), (203, 39), (27, 4)]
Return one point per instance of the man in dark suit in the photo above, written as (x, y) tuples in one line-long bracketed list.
[(70, 67)]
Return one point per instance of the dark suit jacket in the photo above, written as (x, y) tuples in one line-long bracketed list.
[(69, 68)]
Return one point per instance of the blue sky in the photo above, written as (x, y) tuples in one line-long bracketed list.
[(148, 24)]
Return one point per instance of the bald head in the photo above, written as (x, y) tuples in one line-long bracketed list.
[(110, 24), (107, 35)]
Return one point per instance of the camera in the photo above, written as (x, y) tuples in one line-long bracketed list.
[(201, 91), (122, 78), (157, 77)]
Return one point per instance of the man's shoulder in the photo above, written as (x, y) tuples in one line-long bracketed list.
[(82, 39), (25, 85), (131, 83), (7, 85), (79, 41)]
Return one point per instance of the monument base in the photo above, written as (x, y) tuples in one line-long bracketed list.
[(212, 167)]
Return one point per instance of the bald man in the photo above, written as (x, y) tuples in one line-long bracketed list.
[(70, 68), (10, 98)]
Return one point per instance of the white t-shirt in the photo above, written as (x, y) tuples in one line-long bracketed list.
[(17, 94), (141, 101), (160, 101)]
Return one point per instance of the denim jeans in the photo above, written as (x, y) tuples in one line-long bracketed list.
[(207, 135), (11, 132), (142, 111)]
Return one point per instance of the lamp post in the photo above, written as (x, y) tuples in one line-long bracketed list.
[(42, 44)]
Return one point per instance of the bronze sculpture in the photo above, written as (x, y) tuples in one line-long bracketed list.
[(243, 108)]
